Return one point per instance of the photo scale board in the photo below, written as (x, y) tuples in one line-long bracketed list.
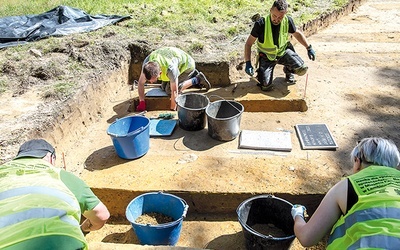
[(315, 136)]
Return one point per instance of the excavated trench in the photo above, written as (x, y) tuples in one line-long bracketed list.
[(211, 221)]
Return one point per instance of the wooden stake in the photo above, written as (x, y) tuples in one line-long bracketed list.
[(63, 159), (305, 89)]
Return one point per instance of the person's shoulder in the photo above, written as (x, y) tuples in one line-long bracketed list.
[(261, 21), (259, 24), (65, 175), (292, 26)]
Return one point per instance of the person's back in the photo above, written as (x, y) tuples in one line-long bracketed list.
[(41, 205), (171, 58), (363, 210), (374, 220), (36, 206)]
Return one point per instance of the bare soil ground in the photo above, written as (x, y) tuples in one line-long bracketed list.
[(353, 86)]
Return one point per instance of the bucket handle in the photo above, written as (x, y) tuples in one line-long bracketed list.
[(186, 206), (137, 131), (227, 102), (185, 209), (133, 132)]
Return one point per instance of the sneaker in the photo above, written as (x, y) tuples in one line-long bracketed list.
[(290, 78), (203, 82), (192, 74)]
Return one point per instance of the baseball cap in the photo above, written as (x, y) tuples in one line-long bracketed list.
[(37, 148)]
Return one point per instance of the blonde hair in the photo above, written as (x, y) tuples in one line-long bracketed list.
[(376, 151)]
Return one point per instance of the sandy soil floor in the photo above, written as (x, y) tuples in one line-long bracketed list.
[(353, 87)]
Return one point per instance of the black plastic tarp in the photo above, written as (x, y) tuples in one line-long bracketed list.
[(60, 21)]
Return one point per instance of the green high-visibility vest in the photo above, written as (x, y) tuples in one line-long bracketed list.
[(37, 207), (374, 221), (166, 56), (268, 47)]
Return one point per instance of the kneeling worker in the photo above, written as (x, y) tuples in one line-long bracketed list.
[(167, 64), (273, 46)]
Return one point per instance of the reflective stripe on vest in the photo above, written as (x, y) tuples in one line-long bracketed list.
[(166, 57), (39, 190), (35, 213), (268, 47), (362, 216), (376, 242)]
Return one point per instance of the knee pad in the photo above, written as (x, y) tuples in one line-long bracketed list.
[(301, 71)]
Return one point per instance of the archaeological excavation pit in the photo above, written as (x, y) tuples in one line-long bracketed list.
[(213, 185)]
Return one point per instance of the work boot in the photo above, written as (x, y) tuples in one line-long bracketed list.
[(290, 78), (289, 75), (203, 82), (266, 87)]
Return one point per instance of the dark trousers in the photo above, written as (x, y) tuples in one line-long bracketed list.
[(291, 61)]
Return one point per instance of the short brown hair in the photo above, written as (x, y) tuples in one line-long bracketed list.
[(151, 69)]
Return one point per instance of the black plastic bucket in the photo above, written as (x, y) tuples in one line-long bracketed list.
[(223, 119), (264, 212), (192, 111)]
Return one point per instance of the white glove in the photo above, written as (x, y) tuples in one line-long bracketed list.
[(298, 210)]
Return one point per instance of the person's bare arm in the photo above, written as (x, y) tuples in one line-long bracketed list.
[(301, 38), (247, 47), (141, 82), (95, 218), (323, 219), (174, 93)]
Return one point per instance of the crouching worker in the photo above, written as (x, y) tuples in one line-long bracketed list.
[(166, 65), (363, 210), (41, 205), (273, 46)]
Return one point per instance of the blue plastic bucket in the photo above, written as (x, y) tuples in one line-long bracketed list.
[(130, 136), (258, 213), (157, 202)]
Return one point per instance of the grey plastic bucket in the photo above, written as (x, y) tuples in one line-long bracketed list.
[(265, 210), (223, 119), (192, 111)]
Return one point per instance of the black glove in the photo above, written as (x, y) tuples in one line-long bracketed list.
[(249, 68), (311, 53)]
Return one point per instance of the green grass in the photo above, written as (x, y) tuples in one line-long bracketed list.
[(60, 90), (200, 22), (178, 17)]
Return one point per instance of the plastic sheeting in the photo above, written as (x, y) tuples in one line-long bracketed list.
[(60, 21)]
